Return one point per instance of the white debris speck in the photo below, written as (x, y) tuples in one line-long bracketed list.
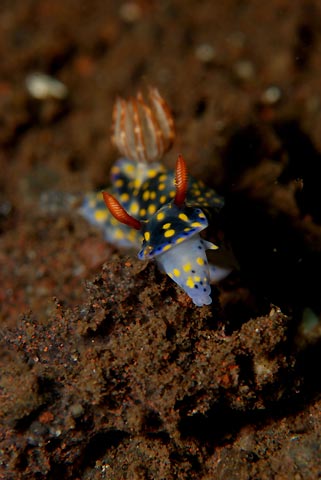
[(244, 70), (130, 12), (205, 52), (271, 95), (42, 86)]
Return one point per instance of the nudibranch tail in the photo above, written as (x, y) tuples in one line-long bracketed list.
[(187, 265), (181, 181), (119, 212)]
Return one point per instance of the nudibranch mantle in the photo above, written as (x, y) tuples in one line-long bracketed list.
[(168, 227), (142, 190)]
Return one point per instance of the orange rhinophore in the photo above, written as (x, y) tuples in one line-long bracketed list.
[(181, 181), (140, 131), (119, 212)]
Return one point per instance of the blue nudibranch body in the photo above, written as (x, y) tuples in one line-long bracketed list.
[(156, 210)]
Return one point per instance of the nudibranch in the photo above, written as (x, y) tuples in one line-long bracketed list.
[(156, 210), (171, 233)]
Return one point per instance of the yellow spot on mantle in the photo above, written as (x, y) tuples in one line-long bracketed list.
[(200, 260), (152, 209), (146, 195), (118, 234), (152, 173), (180, 240), (176, 272), (183, 217), (115, 169), (129, 168), (169, 233), (124, 197), (160, 216), (134, 207), (166, 225), (101, 215), (147, 236), (132, 235)]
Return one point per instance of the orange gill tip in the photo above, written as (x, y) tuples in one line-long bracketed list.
[(181, 181), (119, 212), (163, 114), (118, 134)]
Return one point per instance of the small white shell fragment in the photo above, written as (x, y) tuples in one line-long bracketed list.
[(271, 95), (205, 52), (244, 70), (42, 86)]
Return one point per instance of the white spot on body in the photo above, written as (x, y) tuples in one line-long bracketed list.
[(42, 86)]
